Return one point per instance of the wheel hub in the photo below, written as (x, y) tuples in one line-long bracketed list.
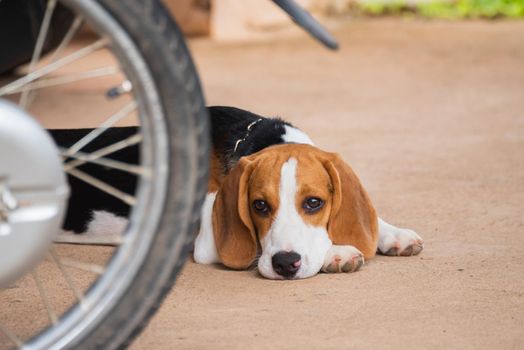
[(33, 192)]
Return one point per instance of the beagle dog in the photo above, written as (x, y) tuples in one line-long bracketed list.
[(276, 201)]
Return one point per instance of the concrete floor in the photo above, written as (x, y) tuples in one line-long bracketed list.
[(431, 117)]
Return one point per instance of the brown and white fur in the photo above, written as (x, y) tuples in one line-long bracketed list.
[(277, 201)]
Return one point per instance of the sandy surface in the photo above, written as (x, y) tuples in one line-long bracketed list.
[(431, 117)]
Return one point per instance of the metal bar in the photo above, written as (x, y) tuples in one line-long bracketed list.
[(69, 78), (130, 141), (306, 21), (67, 38), (124, 197), (53, 66), (106, 240), (12, 337), (122, 113), (109, 163), (37, 52), (63, 44), (79, 296), (97, 269), (50, 313)]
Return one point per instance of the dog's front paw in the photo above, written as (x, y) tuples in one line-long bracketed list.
[(343, 258), (399, 242)]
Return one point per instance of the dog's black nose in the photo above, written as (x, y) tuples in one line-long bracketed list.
[(286, 264)]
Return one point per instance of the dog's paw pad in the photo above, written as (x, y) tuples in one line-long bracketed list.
[(413, 249), (354, 264), (410, 250), (400, 242), (343, 259), (332, 268)]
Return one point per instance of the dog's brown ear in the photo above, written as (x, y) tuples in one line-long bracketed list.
[(235, 236), (353, 219)]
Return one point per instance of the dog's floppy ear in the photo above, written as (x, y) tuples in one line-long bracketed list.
[(353, 219), (235, 236)]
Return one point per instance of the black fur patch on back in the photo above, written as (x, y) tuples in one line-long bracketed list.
[(229, 124)]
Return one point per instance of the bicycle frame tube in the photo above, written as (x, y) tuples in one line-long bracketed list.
[(306, 21)]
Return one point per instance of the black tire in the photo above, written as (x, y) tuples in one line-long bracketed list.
[(161, 43), (169, 178)]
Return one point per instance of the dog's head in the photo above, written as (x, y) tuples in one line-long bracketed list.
[(296, 201)]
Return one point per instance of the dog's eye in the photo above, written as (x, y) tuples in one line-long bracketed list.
[(312, 204), (261, 207)]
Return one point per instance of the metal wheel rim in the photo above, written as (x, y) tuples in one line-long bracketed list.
[(107, 290)]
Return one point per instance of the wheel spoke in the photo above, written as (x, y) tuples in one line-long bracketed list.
[(94, 268), (124, 197), (67, 38), (109, 163), (17, 84), (12, 337), (122, 113), (113, 240), (130, 141), (69, 78), (63, 44), (79, 296), (42, 35), (50, 313)]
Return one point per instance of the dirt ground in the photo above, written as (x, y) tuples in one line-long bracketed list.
[(431, 117)]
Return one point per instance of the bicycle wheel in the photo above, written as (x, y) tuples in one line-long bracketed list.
[(124, 285)]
